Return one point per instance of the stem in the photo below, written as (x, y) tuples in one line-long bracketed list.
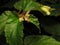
[(27, 12)]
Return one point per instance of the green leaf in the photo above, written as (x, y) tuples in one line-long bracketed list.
[(40, 40), (3, 19), (14, 33), (51, 26), (35, 21), (23, 4), (26, 5), (14, 30)]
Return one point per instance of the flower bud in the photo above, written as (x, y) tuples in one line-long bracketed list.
[(21, 19), (46, 9)]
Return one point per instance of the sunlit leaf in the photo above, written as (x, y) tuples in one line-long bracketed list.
[(3, 19), (14, 31), (40, 40)]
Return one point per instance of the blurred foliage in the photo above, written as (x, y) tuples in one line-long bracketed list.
[(40, 40)]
